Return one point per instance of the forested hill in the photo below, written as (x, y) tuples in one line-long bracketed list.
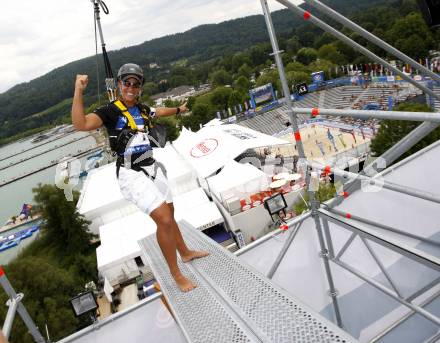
[(202, 43)]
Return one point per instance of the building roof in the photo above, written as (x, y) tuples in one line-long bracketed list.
[(119, 238), (210, 148), (173, 92)]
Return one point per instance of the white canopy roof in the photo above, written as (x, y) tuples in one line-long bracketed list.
[(208, 149), (119, 238), (100, 189), (195, 208), (237, 178), (177, 167)]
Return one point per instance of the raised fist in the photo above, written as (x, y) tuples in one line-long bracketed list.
[(81, 82)]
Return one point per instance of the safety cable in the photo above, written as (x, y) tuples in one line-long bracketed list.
[(109, 79), (97, 61)]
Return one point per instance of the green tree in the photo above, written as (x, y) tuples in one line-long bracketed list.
[(63, 227), (306, 55), (326, 66), (242, 84), (325, 192), (258, 55), (346, 51), (54, 267), (412, 36), (292, 46), (191, 122), (240, 59), (47, 290), (220, 97), (190, 102), (202, 111), (407, 6), (245, 71), (150, 88), (330, 53), (171, 103), (297, 67), (171, 125), (221, 78), (235, 98), (392, 131), (163, 86), (305, 36), (294, 78), (324, 39)]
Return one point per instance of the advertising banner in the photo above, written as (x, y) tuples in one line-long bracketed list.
[(318, 77), (261, 95)]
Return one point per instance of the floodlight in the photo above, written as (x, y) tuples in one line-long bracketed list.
[(275, 204), (84, 303)]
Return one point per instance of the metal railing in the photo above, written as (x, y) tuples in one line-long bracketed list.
[(323, 216)]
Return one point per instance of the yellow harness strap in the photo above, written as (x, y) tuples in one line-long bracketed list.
[(127, 114)]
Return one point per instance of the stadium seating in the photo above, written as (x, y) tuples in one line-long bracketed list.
[(344, 97)]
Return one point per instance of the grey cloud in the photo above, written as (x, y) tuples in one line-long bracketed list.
[(48, 36)]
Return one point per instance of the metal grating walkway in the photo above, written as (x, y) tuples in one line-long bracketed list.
[(233, 303)]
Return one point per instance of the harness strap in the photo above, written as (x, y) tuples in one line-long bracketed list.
[(157, 165), (127, 114)]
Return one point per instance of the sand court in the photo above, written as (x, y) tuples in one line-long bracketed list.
[(317, 144)]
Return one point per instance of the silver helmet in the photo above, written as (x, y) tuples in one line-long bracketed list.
[(131, 70)]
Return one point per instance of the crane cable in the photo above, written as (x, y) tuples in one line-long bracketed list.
[(97, 60), (109, 79)]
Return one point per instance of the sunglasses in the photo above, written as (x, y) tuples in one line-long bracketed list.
[(128, 84)]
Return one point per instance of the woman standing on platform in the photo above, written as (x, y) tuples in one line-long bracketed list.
[(140, 180)]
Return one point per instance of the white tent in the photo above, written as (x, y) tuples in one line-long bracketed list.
[(119, 246), (101, 200), (237, 180), (195, 208), (208, 149), (181, 176)]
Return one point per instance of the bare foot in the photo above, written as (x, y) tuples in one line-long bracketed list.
[(184, 283), (193, 254)]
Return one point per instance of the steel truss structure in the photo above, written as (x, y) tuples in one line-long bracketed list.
[(266, 313), (325, 213)]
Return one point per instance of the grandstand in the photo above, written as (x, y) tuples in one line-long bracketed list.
[(345, 97), (436, 101)]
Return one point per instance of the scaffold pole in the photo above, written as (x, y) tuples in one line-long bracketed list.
[(372, 38), (17, 306), (431, 117), (282, 75), (314, 20)]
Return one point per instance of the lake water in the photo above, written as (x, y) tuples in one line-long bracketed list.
[(15, 194)]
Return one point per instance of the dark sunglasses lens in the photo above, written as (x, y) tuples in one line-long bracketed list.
[(131, 84)]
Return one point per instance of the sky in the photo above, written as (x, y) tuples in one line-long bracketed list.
[(39, 36)]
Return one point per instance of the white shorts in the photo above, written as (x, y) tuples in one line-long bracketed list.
[(143, 191)]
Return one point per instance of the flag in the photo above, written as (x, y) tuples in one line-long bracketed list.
[(329, 135), (321, 148), (354, 136), (362, 133)]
